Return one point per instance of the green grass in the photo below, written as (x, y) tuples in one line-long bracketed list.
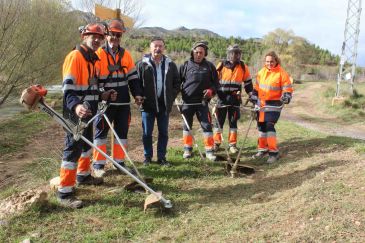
[(16, 132), (352, 109), (315, 193), (43, 169)]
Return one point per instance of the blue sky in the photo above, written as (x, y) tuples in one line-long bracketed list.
[(321, 22)]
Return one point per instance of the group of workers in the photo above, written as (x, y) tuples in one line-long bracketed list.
[(100, 70)]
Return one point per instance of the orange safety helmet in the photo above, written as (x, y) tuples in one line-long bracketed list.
[(91, 29), (116, 25)]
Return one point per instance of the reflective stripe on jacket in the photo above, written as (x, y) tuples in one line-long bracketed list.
[(231, 81), (79, 82), (120, 76), (269, 86)]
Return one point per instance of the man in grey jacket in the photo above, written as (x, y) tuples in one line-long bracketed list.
[(160, 83)]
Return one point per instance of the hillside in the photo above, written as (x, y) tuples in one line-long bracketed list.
[(178, 32), (297, 54)]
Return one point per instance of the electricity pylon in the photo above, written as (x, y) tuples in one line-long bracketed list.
[(347, 66)]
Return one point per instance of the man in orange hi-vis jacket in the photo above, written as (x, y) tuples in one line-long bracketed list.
[(272, 89), (117, 72), (80, 99), (233, 75)]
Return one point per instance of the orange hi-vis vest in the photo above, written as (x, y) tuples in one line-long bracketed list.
[(118, 73), (231, 80), (271, 84)]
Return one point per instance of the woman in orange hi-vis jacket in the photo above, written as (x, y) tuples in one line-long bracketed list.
[(273, 89)]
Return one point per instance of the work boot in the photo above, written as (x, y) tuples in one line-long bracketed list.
[(163, 162), (272, 159), (70, 202), (147, 161), (210, 156), (89, 180), (99, 173), (259, 155), (187, 154), (233, 149), (216, 147)]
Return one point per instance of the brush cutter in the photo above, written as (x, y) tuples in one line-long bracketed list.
[(133, 185), (32, 97), (214, 110), (187, 125), (236, 168)]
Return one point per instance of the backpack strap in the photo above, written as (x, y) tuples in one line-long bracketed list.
[(185, 68), (243, 66), (220, 66), (118, 64)]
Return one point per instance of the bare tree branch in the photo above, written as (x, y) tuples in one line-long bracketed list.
[(35, 37)]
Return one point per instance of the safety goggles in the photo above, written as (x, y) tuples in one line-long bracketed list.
[(115, 34)]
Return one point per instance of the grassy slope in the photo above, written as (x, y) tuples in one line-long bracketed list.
[(352, 109), (29, 124), (315, 193)]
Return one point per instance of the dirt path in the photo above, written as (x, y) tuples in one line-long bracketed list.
[(306, 112), (48, 144)]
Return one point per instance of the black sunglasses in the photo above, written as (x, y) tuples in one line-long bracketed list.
[(114, 34)]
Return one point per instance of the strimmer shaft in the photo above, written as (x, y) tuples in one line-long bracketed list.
[(66, 124)]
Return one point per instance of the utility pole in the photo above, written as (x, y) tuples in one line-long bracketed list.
[(347, 66)]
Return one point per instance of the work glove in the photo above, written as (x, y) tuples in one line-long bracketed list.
[(208, 94), (139, 100), (285, 98), (110, 95)]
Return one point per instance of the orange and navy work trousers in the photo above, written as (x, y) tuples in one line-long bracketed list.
[(205, 120), (267, 138), (120, 115), (233, 116), (75, 162)]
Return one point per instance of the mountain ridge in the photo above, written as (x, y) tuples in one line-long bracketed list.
[(179, 31)]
